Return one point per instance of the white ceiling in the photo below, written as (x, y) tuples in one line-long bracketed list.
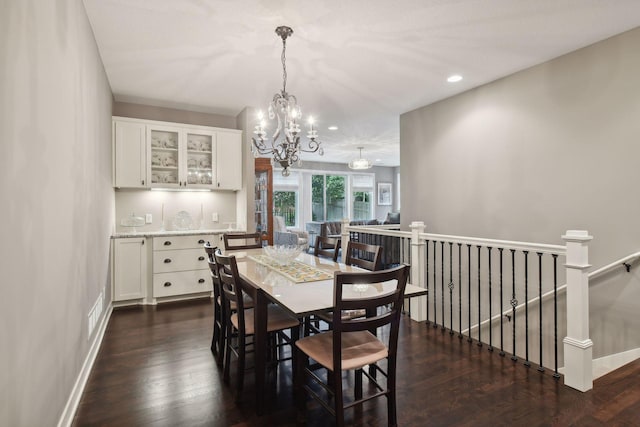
[(356, 64)]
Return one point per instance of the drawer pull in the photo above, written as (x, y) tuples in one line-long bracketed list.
[(167, 260), (201, 281), (201, 242), (167, 243), (200, 258), (167, 284)]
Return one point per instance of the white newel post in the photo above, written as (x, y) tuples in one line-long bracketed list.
[(418, 305), (344, 239), (578, 359)]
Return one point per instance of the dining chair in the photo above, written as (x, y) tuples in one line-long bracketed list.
[(364, 255), (241, 323), (239, 241), (327, 247), (353, 344), (218, 341)]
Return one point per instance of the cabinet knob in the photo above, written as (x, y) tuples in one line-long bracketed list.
[(201, 242), (167, 260), (143, 182), (200, 258), (201, 281), (167, 243), (167, 284)]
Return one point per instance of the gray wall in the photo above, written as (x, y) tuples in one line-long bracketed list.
[(527, 157), (149, 112), (58, 204)]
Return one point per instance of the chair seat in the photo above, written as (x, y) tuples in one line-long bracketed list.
[(277, 319), (359, 349)]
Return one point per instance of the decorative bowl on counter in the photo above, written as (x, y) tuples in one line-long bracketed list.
[(282, 254)]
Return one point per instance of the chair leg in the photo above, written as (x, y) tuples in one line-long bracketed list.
[(337, 397), (391, 396), (357, 384), (227, 355), (241, 364), (301, 360)]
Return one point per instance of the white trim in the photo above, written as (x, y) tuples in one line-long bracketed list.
[(603, 365), (76, 393)]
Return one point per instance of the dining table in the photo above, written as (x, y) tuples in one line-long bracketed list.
[(302, 287)]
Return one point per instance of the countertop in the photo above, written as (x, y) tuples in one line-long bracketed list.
[(158, 233)]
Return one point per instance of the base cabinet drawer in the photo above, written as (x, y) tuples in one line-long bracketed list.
[(181, 242), (179, 260), (182, 282)]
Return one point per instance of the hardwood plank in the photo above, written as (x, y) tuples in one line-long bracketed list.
[(155, 368)]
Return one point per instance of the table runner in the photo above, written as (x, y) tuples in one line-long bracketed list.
[(296, 271)]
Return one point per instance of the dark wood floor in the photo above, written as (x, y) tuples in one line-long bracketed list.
[(155, 368)]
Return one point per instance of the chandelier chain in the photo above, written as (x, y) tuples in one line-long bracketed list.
[(284, 65)]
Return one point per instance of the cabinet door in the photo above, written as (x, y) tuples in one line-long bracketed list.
[(165, 157), (229, 160), (130, 150), (129, 269), (199, 153)]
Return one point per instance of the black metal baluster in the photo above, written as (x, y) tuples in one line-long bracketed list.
[(501, 308), (479, 301), (427, 276), (526, 309), (556, 375), (450, 288), (514, 302), (469, 289), (442, 281), (490, 348), (435, 286), (460, 290), (540, 366)]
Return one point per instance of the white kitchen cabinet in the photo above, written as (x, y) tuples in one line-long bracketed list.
[(129, 154), (172, 155), (180, 266), (129, 269), (229, 160)]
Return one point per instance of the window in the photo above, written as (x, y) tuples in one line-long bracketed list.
[(285, 205), (285, 198), (362, 196), (328, 194)]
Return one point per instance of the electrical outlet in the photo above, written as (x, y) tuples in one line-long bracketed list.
[(148, 218), (214, 217)]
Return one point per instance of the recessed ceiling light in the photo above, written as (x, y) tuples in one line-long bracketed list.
[(378, 160), (333, 128), (454, 78)]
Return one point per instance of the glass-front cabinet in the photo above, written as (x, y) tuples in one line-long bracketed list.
[(199, 159), (264, 198), (181, 158), (165, 157)]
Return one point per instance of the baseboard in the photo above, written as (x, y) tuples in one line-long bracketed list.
[(76, 393), (603, 365)]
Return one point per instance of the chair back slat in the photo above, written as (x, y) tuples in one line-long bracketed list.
[(327, 247), (364, 256), (240, 241)]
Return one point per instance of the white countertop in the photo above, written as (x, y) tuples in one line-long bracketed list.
[(159, 233)]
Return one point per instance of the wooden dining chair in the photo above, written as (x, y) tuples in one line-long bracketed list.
[(352, 345), (327, 247), (218, 340), (364, 256), (241, 323), (239, 241)]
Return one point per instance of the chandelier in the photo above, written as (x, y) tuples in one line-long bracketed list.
[(360, 163), (285, 144)]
